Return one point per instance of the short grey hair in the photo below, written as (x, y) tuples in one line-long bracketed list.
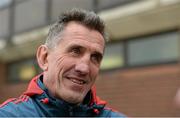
[(88, 19)]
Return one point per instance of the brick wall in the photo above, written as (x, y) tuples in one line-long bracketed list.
[(140, 92), (2, 73)]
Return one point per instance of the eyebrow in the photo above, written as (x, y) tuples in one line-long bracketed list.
[(80, 46)]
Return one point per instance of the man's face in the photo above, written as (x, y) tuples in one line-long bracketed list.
[(73, 64)]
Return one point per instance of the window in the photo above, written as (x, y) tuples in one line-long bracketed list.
[(113, 56), (4, 3), (4, 22), (29, 14), (23, 70), (154, 49)]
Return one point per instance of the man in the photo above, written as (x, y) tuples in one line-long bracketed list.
[(70, 60)]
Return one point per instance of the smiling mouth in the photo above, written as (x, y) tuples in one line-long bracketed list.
[(77, 81)]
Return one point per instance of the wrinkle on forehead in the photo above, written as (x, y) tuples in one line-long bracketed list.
[(85, 41)]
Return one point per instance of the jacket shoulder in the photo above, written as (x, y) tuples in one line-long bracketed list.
[(22, 106), (108, 112)]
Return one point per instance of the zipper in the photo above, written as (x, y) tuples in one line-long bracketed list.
[(70, 111)]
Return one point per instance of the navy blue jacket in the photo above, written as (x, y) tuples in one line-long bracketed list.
[(37, 102)]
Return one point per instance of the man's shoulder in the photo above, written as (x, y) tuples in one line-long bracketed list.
[(109, 112), (17, 106)]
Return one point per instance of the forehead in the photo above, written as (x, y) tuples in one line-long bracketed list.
[(77, 33)]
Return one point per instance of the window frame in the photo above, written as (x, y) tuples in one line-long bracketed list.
[(125, 42)]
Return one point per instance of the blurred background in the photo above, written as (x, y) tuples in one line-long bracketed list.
[(140, 72)]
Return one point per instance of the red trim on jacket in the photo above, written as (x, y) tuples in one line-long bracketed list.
[(7, 101), (33, 88), (22, 98), (96, 99)]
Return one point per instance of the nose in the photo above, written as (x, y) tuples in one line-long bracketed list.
[(82, 66)]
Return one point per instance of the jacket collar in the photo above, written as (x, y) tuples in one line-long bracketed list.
[(34, 89)]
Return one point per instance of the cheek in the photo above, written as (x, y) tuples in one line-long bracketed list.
[(56, 63), (94, 72), (62, 64)]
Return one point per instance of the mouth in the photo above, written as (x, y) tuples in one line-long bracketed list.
[(77, 80)]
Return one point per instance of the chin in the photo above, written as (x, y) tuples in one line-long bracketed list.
[(72, 97), (75, 99)]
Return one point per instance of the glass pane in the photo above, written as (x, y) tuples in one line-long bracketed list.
[(4, 3), (4, 20), (153, 49), (113, 56), (30, 14)]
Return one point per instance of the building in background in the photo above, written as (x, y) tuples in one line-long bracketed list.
[(140, 73)]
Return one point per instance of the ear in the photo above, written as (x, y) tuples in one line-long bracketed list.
[(41, 55)]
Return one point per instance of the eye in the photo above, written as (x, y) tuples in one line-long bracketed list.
[(96, 58), (76, 51)]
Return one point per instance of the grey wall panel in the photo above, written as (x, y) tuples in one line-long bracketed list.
[(4, 22), (30, 14)]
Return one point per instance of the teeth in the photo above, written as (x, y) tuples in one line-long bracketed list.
[(77, 81)]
